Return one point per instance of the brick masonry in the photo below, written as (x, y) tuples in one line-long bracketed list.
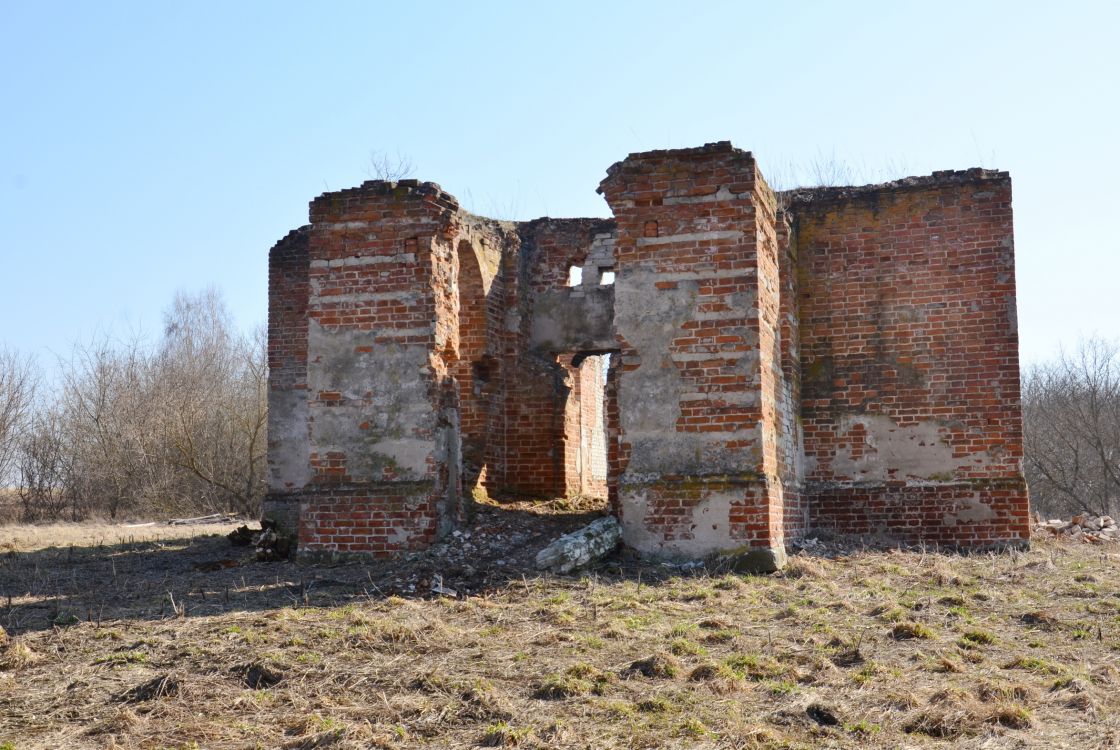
[(735, 368)]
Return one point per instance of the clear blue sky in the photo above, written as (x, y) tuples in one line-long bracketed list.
[(148, 147)]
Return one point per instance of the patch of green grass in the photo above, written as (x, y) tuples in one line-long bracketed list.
[(910, 629), (685, 647), (658, 704), (682, 629), (1036, 665), (978, 637), (710, 671), (559, 686), (961, 612), (862, 727), (754, 667), (893, 614), (780, 687), (579, 679), (729, 583), (619, 709), (693, 727), (501, 734), (1012, 717), (720, 636), (582, 669), (698, 594), (660, 665), (639, 622), (866, 673)]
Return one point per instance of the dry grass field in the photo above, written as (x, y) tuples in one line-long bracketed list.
[(120, 640)]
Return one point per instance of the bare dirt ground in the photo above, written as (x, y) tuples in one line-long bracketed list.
[(182, 641)]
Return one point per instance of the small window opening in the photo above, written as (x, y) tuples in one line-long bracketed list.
[(482, 370), (606, 278), (575, 276)]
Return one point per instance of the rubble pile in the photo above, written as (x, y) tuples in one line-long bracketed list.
[(1084, 527), (270, 546)]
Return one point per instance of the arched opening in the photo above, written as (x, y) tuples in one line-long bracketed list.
[(476, 372)]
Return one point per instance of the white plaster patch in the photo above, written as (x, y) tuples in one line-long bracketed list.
[(893, 452), (723, 234), (971, 510), (409, 454), (710, 526)]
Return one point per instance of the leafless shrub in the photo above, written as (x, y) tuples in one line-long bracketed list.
[(1071, 422), (178, 427), (44, 473), (389, 167)]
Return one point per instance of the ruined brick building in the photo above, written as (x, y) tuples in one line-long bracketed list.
[(733, 369)]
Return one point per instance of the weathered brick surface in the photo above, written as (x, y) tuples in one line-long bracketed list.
[(909, 355), (287, 380), (846, 362), (697, 317), (539, 391)]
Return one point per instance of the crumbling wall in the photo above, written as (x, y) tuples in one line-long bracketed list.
[(846, 363), (692, 309), (479, 365), (538, 393), (382, 334), (909, 354), (288, 446), (791, 442)]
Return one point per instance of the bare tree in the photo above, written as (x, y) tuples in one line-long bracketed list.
[(110, 426), (18, 383), (1071, 421), (45, 491), (215, 402)]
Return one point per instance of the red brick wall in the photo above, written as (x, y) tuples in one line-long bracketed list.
[(287, 311), (592, 427), (697, 314), (287, 380), (909, 358), (474, 371), (849, 363), (372, 520), (382, 331), (584, 443), (535, 391)]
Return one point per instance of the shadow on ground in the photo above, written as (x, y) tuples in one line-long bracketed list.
[(201, 576)]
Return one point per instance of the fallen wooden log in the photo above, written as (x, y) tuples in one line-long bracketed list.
[(581, 547), (212, 518)]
